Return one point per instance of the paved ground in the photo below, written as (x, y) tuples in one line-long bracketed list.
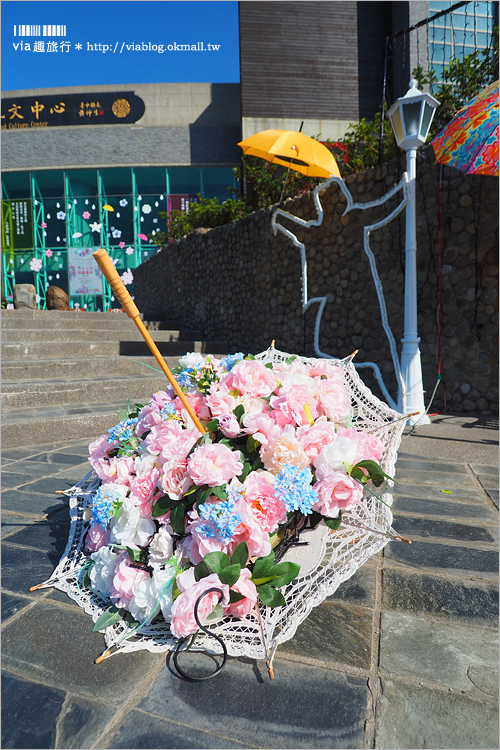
[(404, 655)]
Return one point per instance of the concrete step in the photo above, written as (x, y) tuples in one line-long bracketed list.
[(57, 319), (53, 424), (79, 367), (104, 348), (16, 335), (55, 392)]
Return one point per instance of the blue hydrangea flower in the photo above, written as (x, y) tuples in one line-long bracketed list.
[(123, 431), (229, 361), (293, 487), (106, 500), (185, 377), (221, 519), (168, 411)]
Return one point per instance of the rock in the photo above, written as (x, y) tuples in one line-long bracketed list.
[(57, 299), (25, 296)]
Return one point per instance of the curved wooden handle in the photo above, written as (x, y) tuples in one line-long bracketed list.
[(111, 274)]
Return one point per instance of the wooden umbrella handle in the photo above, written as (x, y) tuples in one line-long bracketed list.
[(111, 274)]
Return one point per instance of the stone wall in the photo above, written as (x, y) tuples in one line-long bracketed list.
[(242, 284)]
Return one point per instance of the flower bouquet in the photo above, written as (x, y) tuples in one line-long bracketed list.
[(234, 534)]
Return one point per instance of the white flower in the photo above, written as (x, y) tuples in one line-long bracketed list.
[(131, 528), (129, 250), (335, 454), (61, 215), (117, 233), (103, 570), (155, 221), (95, 227), (127, 277), (161, 548), (147, 593), (192, 359), (124, 202), (144, 465), (146, 209)]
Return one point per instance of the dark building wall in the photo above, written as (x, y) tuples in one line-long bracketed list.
[(312, 59)]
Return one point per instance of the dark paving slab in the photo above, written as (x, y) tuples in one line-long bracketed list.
[(26, 501), (334, 632), (141, 730), (448, 479), (81, 722), (49, 535), (29, 713), (302, 707), (11, 605), (415, 464), (12, 522), (441, 596), (359, 589), (493, 495), (443, 508), (23, 567), (429, 527), (440, 492), (416, 717), (425, 555), (426, 648), (33, 469), (59, 644), (49, 485)]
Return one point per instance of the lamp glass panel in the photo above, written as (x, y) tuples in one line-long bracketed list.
[(426, 120), (411, 117), (397, 125)]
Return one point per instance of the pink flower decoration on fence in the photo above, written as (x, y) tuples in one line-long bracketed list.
[(48, 253), (44, 225), (86, 214), (127, 277), (35, 264), (129, 250), (121, 245)]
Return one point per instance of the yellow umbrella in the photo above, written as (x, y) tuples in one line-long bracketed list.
[(293, 150)]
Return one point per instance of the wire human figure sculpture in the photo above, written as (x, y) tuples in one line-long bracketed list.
[(321, 301)]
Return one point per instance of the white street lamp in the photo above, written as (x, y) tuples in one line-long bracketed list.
[(411, 116)]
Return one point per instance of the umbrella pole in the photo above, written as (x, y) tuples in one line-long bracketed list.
[(286, 180), (107, 267)]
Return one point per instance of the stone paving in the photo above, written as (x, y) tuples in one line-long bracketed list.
[(403, 655)]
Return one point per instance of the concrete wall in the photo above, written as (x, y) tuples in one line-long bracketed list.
[(184, 124), (242, 284)]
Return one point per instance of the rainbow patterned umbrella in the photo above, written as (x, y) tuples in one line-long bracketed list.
[(470, 141)]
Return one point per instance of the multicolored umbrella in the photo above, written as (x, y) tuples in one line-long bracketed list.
[(470, 141)]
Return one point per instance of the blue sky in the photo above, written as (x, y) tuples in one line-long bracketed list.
[(119, 42)]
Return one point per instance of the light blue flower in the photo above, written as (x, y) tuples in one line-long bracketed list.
[(229, 361), (293, 487), (123, 431), (168, 411), (221, 520), (106, 501)]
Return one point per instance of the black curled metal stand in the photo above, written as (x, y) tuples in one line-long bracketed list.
[(182, 641)]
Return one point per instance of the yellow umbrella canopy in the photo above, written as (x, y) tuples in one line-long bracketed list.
[(292, 149)]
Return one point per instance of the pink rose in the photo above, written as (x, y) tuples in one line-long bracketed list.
[(334, 400), (214, 464), (267, 509), (368, 447), (170, 440), (96, 538), (141, 490), (261, 427), (199, 404), (336, 491), (289, 406), (246, 587), (250, 378), (229, 425), (183, 622), (220, 402), (124, 579), (314, 437), (175, 480)]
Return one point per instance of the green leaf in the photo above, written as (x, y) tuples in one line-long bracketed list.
[(235, 596), (230, 574), (314, 518), (134, 554), (86, 580), (203, 495), (290, 359), (263, 566), (177, 519), (216, 613), (269, 365), (249, 356), (207, 438), (358, 473), (217, 561), (110, 616), (191, 491), (122, 414), (247, 468), (270, 596), (201, 570), (212, 425), (162, 506), (251, 445), (238, 412), (220, 492), (377, 475), (285, 572), (334, 523), (240, 555)]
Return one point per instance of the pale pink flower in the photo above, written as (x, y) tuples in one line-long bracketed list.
[(199, 404), (262, 427), (141, 491), (96, 538), (220, 402), (48, 253), (314, 437), (121, 470), (183, 622), (266, 507), (86, 214), (368, 447), (283, 450), (175, 480), (333, 400), (214, 464), (229, 425), (289, 406), (246, 587), (336, 491), (125, 577), (251, 378), (121, 245), (44, 226), (338, 453), (35, 264), (170, 440)]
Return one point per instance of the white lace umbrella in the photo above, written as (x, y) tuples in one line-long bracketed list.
[(329, 558)]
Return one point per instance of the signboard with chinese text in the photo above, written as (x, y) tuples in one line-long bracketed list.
[(104, 108), (84, 274), (17, 225), (179, 202)]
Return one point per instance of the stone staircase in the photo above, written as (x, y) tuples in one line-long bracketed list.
[(66, 374)]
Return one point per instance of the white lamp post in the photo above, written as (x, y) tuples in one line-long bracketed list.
[(411, 116)]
